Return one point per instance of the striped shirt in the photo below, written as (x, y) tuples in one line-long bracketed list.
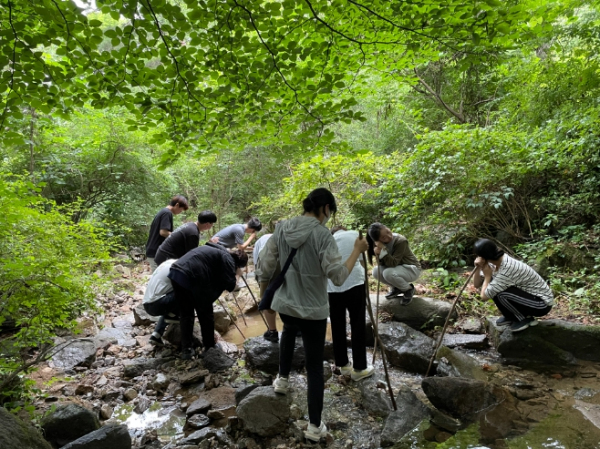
[(513, 273)]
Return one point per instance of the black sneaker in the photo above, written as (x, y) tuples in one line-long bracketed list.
[(272, 336), (522, 325), (503, 321), (187, 354), (156, 341), (394, 293), (408, 296)]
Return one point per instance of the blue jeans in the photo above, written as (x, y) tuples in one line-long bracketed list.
[(313, 339)]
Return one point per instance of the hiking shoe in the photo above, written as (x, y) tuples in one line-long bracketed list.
[(346, 370), (522, 325), (503, 321), (272, 336), (362, 374), (156, 340), (281, 385), (394, 293), (408, 296), (314, 433), (187, 354)]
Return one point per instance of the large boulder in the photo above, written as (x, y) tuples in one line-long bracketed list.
[(215, 360), (458, 364), (143, 318), (375, 398), (405, 347), (14, 433), (68, 423), (551, 342), (421, 313), (264, 355), (222, 319), (79, 352), (110, 436), (135, 367), (173, 335), (265, 412), (408, 415)]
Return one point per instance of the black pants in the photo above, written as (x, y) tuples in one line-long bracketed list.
[(354, 301), (163, 306), (313, 338), (191, 301), (516, 304)]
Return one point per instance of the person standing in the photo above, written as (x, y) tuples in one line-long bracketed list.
[(270, 316), (397, 265), (185, 238), (349, 296), (162, 226), (233, 236), (517, 290), (302, 300), (198, 280)]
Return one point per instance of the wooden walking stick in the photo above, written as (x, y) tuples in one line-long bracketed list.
[(241, 311), (232, 318), (376, 323), (376, 331), (448, 320), (255, 301)]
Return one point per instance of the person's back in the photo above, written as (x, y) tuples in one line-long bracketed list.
[(345, 243), (183, 239)]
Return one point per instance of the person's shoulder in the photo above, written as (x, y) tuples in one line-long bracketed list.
[(399, 238), (345, 235)]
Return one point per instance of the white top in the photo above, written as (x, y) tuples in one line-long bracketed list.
[(159, 284), (258, 245), (345, 243), (513, 273)]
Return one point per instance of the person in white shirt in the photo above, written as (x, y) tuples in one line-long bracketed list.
[(517, 290), (349, 296), (159, 300)]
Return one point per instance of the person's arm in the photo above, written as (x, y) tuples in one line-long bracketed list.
[(166, 225), (477, 277), (398, 250), (244, 245), (487, 278)]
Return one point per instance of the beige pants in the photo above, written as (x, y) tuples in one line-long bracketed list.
[(399, 277)]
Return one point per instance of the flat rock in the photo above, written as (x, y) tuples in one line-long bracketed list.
[(265, 412), (135, 367), (79, 352), (193, 377), (15, 433), (405, 347), (68, 423), (110, 436), (198, 406), (200, 435), (467, 341), (197, 422), (421, 313), (111, 335)]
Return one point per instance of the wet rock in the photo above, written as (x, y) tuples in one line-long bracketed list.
[(551, 342), (194, 377), (130, 394), (375, 398), (15, 433), (409, 414), (161, 382), (421, 313), (79, 352), (106, 411), (462, 398), (197, 422), (444, 421), (405, 347), (142, 405), (264, 355), (110, 436), (215, 360), (457, 364), (136, 367), (198, 406), (68, 423), (199, 435), (244, 390), (467, 341), (222, 319), (143, 318), (264, 412)]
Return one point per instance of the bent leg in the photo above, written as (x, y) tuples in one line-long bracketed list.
[(516, 304), (401, 276)]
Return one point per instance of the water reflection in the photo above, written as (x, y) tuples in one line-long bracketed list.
[(167, 422)]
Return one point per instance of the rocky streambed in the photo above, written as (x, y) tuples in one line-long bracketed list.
[(109, 388)]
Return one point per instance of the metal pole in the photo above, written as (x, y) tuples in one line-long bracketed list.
[(241, 311), (448, 320), (232, 318), (255, 301)]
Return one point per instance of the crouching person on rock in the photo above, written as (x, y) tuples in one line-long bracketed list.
[(159, 300), (517, 290), (198, 280)]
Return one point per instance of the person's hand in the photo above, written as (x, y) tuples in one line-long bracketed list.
[(214, 240), (238, 272), (480, 262), (361, 245), (487, 270), (377, 250)]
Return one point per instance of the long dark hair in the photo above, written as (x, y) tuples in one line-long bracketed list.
[(318, 199), (487, 249), (240, 258)]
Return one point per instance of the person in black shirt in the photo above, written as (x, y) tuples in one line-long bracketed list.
[(185, 238), (162, 226), (198, 279)]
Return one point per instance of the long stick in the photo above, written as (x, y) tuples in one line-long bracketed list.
[(255, 301), (376, 323), (232, 318), (376, 331), (448, 320), (241, 311)]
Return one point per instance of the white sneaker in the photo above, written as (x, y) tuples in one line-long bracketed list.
[(358, 375), (314, 433), (346, 370), (281, 385)]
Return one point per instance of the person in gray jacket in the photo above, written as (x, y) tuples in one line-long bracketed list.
[(302, 300)]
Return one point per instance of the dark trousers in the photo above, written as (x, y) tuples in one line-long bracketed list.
[(163, 306), (516, 304), (313, 338), (352, 300), (190, 302)]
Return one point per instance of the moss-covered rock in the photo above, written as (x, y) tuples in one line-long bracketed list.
[(15, 433)]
